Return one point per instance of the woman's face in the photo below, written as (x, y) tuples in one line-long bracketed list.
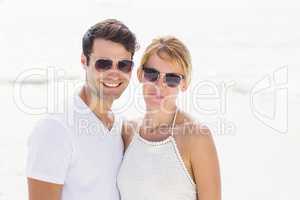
[(158, 95)]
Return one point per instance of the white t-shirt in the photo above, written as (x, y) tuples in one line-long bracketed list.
[(75, 149)]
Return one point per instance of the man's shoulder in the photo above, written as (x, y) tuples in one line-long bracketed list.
[(54, 119), (71, 111), (51, 125)]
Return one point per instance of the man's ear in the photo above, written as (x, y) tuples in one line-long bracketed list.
[(83, 60)]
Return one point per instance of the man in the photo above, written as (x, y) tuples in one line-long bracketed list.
[(76, 155)]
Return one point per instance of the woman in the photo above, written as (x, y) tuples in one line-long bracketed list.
[(168, 155)]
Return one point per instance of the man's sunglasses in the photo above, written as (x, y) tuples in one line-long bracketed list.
[(171, 79), (106, 64)]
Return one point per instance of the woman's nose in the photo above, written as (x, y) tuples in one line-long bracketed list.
[(160, 82)]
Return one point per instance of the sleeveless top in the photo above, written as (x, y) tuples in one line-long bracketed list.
[(153, 170)]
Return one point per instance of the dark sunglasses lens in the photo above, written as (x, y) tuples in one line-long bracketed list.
[(172, 80), (125, 66), (103, 64), (151, 74)]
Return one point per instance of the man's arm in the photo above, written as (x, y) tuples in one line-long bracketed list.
[(40, 190), (48, 160)]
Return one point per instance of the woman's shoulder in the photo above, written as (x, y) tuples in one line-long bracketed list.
[(196, 141), (191, 131), (189, 125)]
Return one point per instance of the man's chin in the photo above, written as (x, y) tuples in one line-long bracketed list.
[(110, 96), (114, 97), (111, 93)]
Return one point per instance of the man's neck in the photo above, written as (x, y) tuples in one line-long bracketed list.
[(99, 106)]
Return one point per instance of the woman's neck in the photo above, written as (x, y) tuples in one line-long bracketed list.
[(159, 118)]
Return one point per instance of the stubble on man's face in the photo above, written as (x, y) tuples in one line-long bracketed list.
[(97, 81)]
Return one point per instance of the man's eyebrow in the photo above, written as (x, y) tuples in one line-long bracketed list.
[(120, 58)]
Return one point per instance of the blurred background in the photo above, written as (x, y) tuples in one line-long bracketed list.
[(246, 67)]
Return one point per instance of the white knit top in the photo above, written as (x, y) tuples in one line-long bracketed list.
[(154, 171)]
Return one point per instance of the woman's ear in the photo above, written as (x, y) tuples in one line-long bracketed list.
[(140, 74), (183, 85)]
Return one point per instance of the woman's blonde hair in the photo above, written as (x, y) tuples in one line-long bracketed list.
[(171, 49)]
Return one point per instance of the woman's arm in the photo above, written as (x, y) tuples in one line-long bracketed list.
[(205, 165)]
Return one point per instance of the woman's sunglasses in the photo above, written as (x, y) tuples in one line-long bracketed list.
[(171, 79), (106, 64)]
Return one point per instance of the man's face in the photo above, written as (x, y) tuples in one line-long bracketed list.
[(107, 84)]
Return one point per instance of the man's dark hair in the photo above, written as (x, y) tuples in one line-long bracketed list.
[(110, 29)]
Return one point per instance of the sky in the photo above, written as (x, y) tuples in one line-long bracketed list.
[(223, 36)]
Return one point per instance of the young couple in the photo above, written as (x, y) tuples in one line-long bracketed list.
[(166, 155)]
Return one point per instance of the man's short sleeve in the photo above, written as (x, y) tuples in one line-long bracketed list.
[(49, 152)]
